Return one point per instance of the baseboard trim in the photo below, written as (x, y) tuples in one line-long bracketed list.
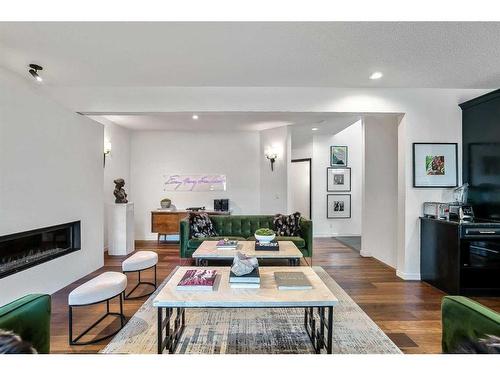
[(365, 254), (408, 276)]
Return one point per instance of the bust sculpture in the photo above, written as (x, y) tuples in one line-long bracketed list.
[(119, 192)]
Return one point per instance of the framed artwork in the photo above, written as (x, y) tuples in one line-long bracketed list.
[(338, 156), (435, 165), (338, 179), (338, 206)]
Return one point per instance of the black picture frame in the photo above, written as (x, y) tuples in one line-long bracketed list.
[(415, 144), (336, 217), (346, 157), (338, 168)]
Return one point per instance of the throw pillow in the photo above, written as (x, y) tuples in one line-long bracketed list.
[(287, 225), (201, 225)]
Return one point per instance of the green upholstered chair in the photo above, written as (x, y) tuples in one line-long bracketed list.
[(243, 227), (465, 320), (29, 317)]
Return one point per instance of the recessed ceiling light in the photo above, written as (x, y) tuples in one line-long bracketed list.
[(314, 129), (376, 75), (34, 68), (195, 117)]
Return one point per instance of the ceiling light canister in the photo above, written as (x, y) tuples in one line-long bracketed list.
[(376, 75)]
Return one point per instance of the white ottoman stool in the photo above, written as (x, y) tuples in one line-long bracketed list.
[(102, 288), (140, 261)]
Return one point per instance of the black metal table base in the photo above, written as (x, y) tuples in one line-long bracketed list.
[(75, 341), (173, 329), (320, 331), (127, 296), (316, 329)]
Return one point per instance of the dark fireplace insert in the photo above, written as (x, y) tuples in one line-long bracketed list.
[(24, 250)]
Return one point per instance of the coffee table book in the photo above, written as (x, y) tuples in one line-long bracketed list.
[(267, 246), (226, 245), (252, 277), (245, 285), (197, 279), (292, 281)]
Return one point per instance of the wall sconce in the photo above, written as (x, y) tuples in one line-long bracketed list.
[(271, 155), (107, 150)]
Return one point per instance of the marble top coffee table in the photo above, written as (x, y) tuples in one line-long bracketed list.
[(208, 251), (171, 303)]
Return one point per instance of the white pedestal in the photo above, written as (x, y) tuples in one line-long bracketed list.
[(121, 228)]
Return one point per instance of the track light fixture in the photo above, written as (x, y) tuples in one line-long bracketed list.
[(34, 68)]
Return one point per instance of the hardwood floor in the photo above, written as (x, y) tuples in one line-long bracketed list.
[(408, 311)]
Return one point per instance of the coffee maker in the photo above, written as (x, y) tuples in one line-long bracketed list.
[(459, 209)]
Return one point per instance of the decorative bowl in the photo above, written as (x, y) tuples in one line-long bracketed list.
[(264, 235)]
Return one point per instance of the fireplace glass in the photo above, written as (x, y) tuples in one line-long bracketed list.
[(20, 251)]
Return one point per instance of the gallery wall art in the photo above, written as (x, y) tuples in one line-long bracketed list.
[(338, 179), (338, 206), (338, 156), (435, 165)]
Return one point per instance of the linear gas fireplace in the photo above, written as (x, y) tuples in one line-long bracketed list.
[(20, 251)]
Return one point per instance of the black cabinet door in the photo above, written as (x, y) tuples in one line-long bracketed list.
[(440, 254)]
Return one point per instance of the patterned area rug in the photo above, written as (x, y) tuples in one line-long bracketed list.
[(256, 331)]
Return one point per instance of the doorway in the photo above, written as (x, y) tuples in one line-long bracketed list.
[(300, 186)]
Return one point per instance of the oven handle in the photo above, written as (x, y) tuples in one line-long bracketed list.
[(484, 248)]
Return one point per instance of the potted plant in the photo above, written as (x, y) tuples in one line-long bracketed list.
[(264, 235)]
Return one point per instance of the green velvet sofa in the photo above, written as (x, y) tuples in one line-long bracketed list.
[(29, 317), (243, 227), (465, 320)]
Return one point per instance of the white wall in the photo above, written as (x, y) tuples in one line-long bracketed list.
[(273, 184), (352, 138), (158, 153), (117, 165), (302, 144), (380, 188), (50, 173), (431, 115)]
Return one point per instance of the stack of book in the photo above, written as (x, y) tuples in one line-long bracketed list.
[(227, 244), (250, 280), (194, 280), (269, 246)]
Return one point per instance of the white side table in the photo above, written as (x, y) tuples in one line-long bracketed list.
[(121, 228)]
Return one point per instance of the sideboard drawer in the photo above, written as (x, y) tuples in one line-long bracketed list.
[(166, 222)]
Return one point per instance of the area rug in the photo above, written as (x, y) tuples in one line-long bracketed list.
[(256, 331)]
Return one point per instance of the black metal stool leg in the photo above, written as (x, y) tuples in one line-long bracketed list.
[(76, 341), (70, 321), (140, 282)]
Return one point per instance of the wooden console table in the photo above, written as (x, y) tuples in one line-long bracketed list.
[(166, 222)]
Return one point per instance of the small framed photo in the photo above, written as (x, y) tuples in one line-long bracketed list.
[(435, 165), (338, 179), (338, 206), (338, 156)]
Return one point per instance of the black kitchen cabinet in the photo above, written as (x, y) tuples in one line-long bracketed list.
[(460, 258)]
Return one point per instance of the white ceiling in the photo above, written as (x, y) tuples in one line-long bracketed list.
[(232, 121), (416, 55)]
